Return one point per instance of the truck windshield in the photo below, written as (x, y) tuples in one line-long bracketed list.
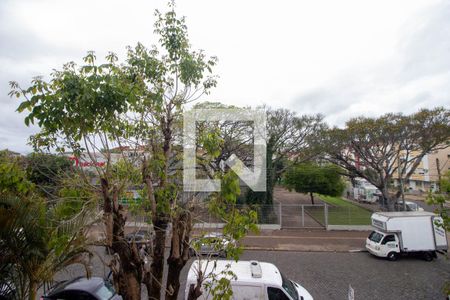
[(375, 237), (289, 287)]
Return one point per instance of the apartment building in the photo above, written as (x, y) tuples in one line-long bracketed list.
[(426, 176)]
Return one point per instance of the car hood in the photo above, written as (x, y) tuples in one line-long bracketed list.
[(302, 292)]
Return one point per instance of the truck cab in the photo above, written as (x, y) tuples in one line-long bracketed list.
[(383, 244)]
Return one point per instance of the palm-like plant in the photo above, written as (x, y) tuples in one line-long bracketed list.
[(35, 240)]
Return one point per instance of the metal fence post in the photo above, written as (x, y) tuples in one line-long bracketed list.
[(349, 216), (325, 211), (303, 216), (279, 211)]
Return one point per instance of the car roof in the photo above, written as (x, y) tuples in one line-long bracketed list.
[(242, 269), (213, 234), (79, 284)]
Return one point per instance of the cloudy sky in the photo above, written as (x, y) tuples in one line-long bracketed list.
[(339, 58)]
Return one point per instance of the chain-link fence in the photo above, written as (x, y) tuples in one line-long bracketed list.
[(348, 215)]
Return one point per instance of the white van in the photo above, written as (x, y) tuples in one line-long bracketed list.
[(254, 280)]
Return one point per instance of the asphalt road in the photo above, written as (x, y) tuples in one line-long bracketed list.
[(327, 275)]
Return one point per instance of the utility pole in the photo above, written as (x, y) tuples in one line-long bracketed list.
[(438, 167)]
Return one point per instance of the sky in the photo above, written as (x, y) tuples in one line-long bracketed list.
[(339, 58)]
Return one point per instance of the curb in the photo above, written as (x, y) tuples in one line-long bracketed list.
[(309, 251)]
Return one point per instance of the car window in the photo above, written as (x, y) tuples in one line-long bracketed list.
[(105, 292), (388, 238), (289, 287), (73, 295), (276, 294)]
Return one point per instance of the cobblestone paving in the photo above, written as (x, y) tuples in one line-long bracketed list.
[(327, 275)]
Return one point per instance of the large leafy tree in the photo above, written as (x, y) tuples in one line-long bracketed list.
[(380, 149), (133, 111), (310, 178), (47, 171), (81, 109), (291, 139)]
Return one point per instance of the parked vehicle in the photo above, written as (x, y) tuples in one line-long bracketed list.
[(140, 237), (415, 232), (214, 243), (363, 191), (253, 280), (410, 206), (94, 288)]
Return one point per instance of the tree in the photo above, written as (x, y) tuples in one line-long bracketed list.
[(290, 140), (35, 242), (441, 198), (93, 100), (377, 149), (47, 171), (313, 178), (132, 111)]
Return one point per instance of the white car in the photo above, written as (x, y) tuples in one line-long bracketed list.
[(214, 243), (252, 280), (410, 206)]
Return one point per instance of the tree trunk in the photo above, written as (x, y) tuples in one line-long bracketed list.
[(195, 290), (387, 203), (173, 278), (179, 253), (127, 275), (154, 281), (311, 195)]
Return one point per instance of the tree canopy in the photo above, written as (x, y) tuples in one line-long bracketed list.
[(310, 178)]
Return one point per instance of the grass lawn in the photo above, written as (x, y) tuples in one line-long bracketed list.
[(341, 212)]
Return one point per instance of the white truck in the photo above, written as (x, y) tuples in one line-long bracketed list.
[(363, 191), (406, 232), (251, 280)]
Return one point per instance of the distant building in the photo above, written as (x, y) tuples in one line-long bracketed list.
[(426, 176), (10, 153)]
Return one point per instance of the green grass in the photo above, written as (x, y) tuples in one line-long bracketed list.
[(341, 212)]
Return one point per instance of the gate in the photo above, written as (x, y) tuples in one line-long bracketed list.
[(303, 215)]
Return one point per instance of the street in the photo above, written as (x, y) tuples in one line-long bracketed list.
[(327, 275)]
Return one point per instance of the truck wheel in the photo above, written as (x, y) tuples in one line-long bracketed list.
[(392, 256), (428, 256)]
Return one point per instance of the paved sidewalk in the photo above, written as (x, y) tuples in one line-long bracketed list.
[(307, 240)]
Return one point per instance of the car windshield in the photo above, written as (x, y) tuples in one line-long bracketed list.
[(289, 287), (105, 292), (375, 237)]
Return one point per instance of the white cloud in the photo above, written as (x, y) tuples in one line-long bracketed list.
[(340, 58)]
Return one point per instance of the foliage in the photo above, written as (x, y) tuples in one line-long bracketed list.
[(35, 241), (291, 139), (442, 198), (47, 171), (383, 148), (314, 178)]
